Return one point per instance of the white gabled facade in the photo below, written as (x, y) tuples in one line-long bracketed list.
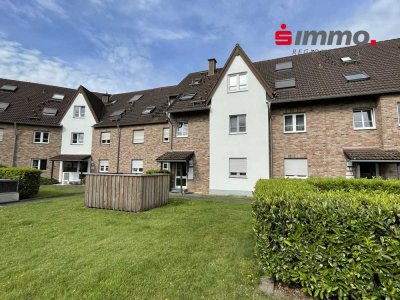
[(248, 151)]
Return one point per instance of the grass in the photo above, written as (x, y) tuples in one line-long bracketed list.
[(49, 191), (184, 250)]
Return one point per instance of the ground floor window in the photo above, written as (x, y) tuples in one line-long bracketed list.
[(104, 164), (296, 168), (137, 166), (367, 170), (238, 167), (165, 166), (40, 164)]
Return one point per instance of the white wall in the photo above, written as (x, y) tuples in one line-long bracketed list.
[(253, 145), (71, 124)]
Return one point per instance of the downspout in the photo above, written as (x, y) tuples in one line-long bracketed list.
[(171, 131), (270, 137), (14, 156), (119, 146)]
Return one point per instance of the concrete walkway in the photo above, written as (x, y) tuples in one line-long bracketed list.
[(204, 197)]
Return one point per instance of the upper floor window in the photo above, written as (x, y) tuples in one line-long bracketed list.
[(398, 113), (41, 137), (237, 124), (137, 166), (183, 129), (165, 135), (104, 165), (79, 111), (105, 138), (237, 82), (77, 138), (138, 136), (40, 164), (1, 134), (294, 123), (364, 118)]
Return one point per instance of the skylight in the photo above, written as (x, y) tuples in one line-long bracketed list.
[(285, 83), (148, 110), (135, 98), (357, 77), (196, 81), (3, 106), (186, 97), (346, 59), (9, 88), (284, 66), (48, 111), (117, 113), (58, 97)]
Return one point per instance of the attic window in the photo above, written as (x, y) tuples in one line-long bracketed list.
[(48, 111), (148, 110), (117, 113), (196, 81), (58, 97), (285, 83), (3, 106), (284, 66), (134, 99), (346, 59), (111, 103), (186, 97), (357, 77), (9, 88)]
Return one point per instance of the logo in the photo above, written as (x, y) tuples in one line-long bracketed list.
[(284, 37)]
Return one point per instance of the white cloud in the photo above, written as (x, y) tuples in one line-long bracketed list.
[(53, 6)]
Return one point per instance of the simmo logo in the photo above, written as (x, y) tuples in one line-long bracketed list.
[(284, 37)]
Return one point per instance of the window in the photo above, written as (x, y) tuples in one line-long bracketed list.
[(346, 59), (79, 111), (40, 164), (3, 106), (284, 66), (40, 137), (294, 123), (165, 166), (137, 166), (182, 130), (48, 111), (237, 82), (9, 88), (138, 136), (357, 77), (165, 135), (148, 110), (398, 113), (77, 138), (104, 164), (238, 167), (285, 83), (186, 97), (364, 118), (237, 124), (1, 134), (296, 168), (105, 138), (58, 97)]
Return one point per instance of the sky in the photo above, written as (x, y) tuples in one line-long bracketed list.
[(119, 45)]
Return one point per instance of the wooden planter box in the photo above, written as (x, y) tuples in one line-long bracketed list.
[(126, 192)]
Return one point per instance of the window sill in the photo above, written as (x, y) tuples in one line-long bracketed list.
[(77, 144), (237, 133), (369, 128), (78, 117), (291, 132), (230, 92), (138, 143), (41, 143), (185, 136), (238, 177)]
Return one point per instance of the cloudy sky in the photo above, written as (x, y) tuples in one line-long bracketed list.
[(119, 45)]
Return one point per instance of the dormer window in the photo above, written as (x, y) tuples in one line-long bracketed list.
[(237, 82), (196, 81), (148, 110), (186, 97)]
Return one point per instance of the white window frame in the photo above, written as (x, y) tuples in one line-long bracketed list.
[(105, 141), (79, 111), (137, 140), (38, 166), (294, 176), (238, 174), (166, 135), (181, 133), (398, 113), (165, 166), (1, 134), (104, 165), (41, 137), (294, 122), (238, 87), (77, 138), (137, 170), (237, 124), (362, 117)]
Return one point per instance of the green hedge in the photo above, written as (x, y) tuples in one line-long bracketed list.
[(29, 180), (48, 181), (343, 242), (155, 171)]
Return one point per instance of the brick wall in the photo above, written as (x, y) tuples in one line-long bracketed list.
[(27, 150)]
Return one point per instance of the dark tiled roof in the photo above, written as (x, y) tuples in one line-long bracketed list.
[(176, 156), (372, 154), (321, 74), (157, 97), (28, 101), (70, 157), (95, 102)]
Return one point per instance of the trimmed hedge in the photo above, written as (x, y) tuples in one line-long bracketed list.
[(29, 180), (335, 239), (155, 171), (48, 181)]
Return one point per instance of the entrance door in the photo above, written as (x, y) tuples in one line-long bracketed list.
[(368, 170), (180, 181)]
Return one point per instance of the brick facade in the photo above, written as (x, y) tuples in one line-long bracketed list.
[(329, 129), (26, 149)]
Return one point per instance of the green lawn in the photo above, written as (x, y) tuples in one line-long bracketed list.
[(48, 191), (185, 250)]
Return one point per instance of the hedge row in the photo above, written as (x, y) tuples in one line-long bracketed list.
[(29, 180), (343, 243)]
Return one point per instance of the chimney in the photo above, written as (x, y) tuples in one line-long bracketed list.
[(105, 98), (212, 66)]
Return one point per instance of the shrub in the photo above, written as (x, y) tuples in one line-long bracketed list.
[(48, 181), (29, 180), (155, 171), (342, 243)]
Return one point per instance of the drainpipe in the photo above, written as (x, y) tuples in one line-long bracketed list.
[(270, 137), (171, 131), (14, 156), (119, 146)]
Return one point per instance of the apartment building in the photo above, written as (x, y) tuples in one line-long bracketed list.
[(324, 114)]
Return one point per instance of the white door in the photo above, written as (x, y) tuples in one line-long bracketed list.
[(180, 175)]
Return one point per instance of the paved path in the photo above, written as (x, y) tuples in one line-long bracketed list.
[(204, 197)]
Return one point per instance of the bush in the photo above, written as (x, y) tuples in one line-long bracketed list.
[(29, 180), (48, 181), (155, 171), (343, 242)]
